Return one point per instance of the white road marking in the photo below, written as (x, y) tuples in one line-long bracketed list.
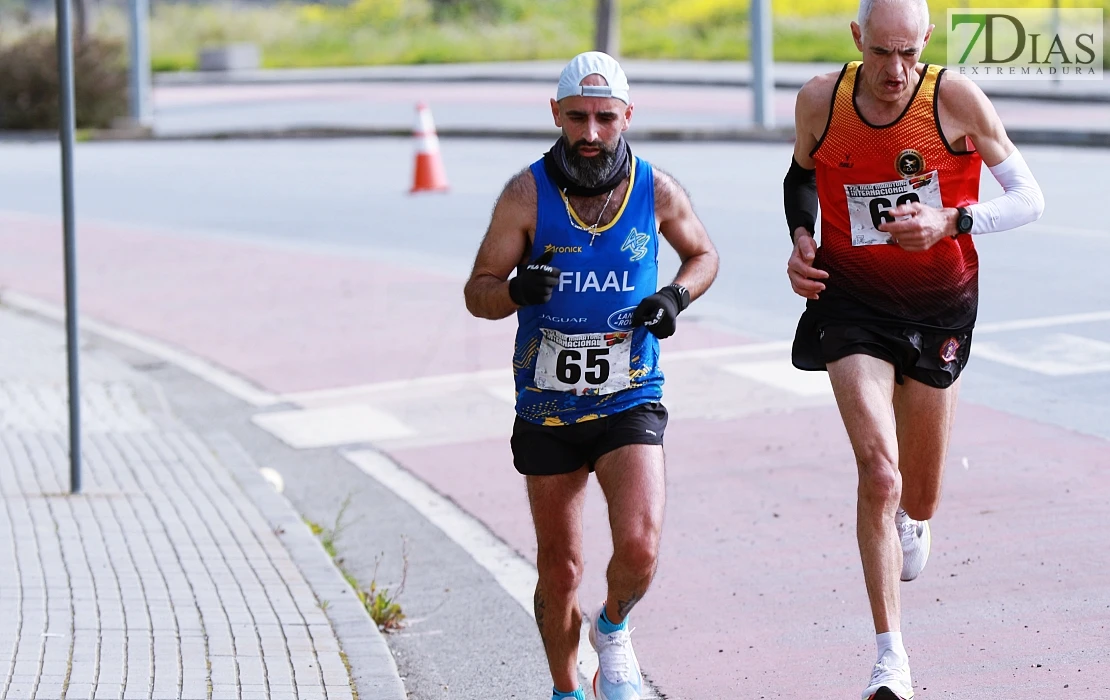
[(728, 351), (1056, 355), (233, 384), (500, 375), (1043, 322), (401, 385), (515, 574), (782, 375), (333, 426), (246, 391), (505, 393)]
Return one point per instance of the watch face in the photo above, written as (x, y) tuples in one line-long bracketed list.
[(964, 223)]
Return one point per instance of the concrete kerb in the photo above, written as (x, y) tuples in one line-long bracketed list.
[(371, 665), (370, 662), (691, 73), (1040, 137)]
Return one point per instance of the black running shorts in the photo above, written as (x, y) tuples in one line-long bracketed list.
[(927, 355), (544, 450)]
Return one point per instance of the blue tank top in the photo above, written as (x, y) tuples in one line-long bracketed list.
[(577, 357)]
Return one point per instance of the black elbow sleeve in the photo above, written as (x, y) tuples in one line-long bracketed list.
[(799, 193)]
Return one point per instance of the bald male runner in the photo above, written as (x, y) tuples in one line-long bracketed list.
[(582, 227), (891, 149)]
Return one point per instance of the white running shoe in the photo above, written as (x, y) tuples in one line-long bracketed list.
[(916, 543), (889, 682), (618, 672)]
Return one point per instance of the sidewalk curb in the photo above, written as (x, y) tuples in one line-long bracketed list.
[(639, 73), (372, 668), (1039, 137)]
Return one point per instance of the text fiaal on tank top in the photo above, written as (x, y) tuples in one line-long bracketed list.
[(591, 281)]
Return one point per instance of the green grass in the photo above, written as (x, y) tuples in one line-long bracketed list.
[(377, 32), (327, 536), (381, 603)]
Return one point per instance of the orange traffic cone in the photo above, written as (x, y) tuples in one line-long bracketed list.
[(429, 175)]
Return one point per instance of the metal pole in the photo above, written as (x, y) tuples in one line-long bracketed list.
[(64, 40), (139, 11), (763, 82), (608, 37), (1055, 33)]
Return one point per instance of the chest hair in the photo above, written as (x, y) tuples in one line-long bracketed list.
[(589, 208)]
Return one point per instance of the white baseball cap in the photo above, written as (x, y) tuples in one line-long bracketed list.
[(593, 63)]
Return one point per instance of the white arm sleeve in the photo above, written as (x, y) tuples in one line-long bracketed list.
[(1021, 204)]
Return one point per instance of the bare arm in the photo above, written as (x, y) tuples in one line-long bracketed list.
[(811, 115), (687, 235), (507, 244), (966, 115), (966, 112)]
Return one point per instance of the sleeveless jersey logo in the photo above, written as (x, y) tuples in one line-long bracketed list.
[(550, 248), (621, 320), (637, 243), (948, 350), (909, 163), (592, 281)]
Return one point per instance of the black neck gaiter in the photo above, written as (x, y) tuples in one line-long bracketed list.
[(556, 167)]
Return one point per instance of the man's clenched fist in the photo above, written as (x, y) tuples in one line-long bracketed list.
[(535, 281), (659, 312)]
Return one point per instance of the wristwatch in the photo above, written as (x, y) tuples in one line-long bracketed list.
[(964, 220)]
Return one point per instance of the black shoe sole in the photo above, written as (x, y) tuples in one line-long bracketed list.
[(885, 693)]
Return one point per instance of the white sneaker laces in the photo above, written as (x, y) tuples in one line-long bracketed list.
[(908, 530), (615, 656), (896, 678), (882, 673)]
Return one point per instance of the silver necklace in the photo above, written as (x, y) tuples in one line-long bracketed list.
[(592, 230)]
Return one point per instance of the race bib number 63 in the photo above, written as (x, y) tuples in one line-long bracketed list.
[(587, 363), (869, 205)]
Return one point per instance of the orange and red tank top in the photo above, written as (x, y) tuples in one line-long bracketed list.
[(863, 171)]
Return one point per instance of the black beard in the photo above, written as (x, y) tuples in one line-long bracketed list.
[(607, 169), (590, 172)]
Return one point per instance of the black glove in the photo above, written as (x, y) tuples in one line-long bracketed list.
[(535, 281), (660, 311)]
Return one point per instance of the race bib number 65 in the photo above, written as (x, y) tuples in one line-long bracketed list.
[(869, 205), (587, 363)]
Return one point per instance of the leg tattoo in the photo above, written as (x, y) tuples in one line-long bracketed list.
[(540, 607), (625, 606)]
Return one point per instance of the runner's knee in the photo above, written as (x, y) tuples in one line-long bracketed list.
[(879, 479), (638, 553), (560, 575)]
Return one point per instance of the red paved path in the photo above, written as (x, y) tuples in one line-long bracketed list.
[(289, 320), (759, 592)]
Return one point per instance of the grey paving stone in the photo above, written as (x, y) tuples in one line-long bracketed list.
[(164, 571)]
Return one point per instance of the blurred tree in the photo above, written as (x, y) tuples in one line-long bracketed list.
[(29, 82), (460, 9)]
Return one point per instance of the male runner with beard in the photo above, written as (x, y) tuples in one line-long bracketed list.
[(581, 226), (892, 149)]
